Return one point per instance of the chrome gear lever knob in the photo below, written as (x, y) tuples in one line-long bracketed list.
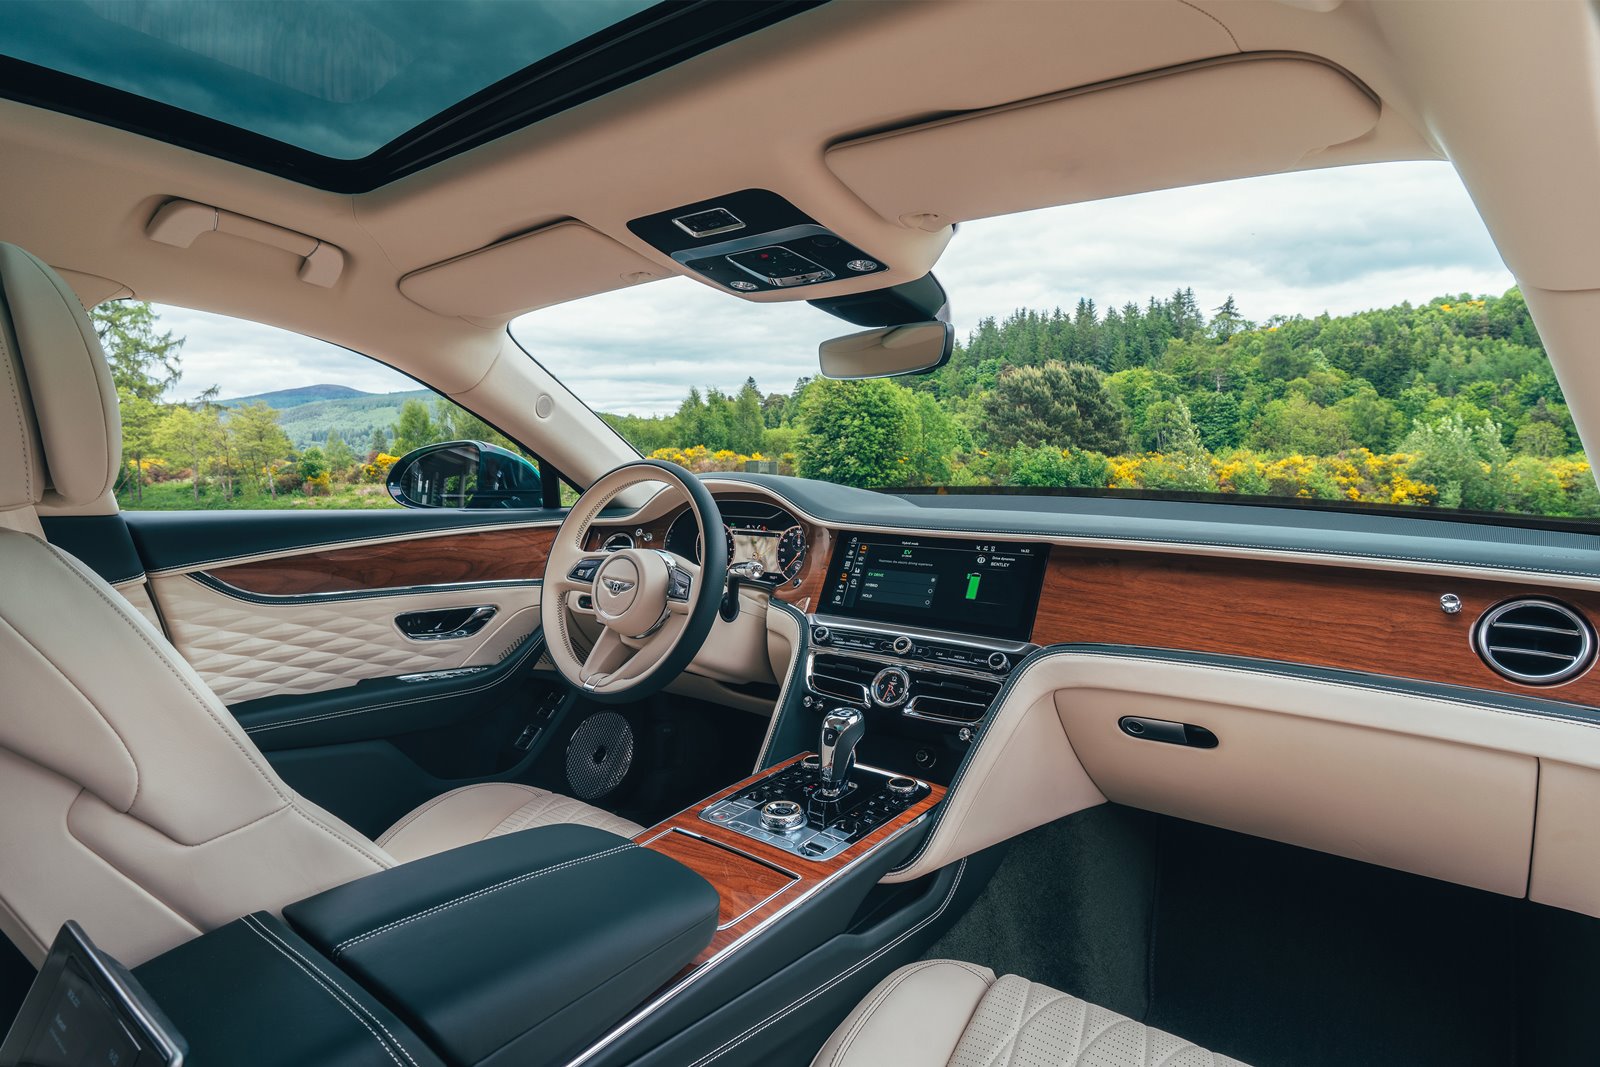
[(842, 730)]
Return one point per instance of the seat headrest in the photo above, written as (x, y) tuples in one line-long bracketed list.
[(60, 433)]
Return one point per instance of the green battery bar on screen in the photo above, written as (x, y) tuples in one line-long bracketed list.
[(972, 586)]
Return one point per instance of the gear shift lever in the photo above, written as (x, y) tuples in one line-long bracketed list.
[(842, 730)]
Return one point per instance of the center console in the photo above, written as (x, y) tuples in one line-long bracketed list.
[(920, 635)]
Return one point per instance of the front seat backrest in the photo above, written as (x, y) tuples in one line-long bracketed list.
[(130, 799)]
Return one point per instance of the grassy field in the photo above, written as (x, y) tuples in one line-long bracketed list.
[(179, 496)]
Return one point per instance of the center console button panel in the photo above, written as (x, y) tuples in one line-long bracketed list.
[(827, 827)]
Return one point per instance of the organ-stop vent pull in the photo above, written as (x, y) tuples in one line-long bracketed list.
[(1167, 732)]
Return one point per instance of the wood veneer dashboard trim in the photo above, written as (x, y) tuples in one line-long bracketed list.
[(1348, 618), (490, 555), (810, 875)]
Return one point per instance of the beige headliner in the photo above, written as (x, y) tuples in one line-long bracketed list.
[(1474, 82)]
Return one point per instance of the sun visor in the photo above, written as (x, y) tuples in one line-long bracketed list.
[(1229, 118), (531, 271)]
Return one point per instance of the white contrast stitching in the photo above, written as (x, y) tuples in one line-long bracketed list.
[(327, 989), (348, 943), (778, 1016)]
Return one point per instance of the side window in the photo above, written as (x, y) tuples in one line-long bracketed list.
[(219, 412)]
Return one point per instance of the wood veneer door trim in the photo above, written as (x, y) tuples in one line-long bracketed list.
[(490, 555)]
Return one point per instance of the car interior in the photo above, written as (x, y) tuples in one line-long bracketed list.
[(585, 757)]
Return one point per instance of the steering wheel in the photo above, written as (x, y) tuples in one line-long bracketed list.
[(654, 607)]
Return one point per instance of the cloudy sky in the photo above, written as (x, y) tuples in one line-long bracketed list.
[(1338, 241)]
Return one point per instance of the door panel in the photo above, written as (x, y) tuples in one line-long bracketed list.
[(291, 618), (247, 646)]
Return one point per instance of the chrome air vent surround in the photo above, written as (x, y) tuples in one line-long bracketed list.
[(1535, 642), (618, 541)]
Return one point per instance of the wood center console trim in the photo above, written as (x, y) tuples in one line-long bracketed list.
[(743, 882), (494, 555), (736, 882), (1382, 622)]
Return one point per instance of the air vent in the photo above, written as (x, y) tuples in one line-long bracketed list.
[(949, 697), (618, 541), (839, 676), (1535, 642)]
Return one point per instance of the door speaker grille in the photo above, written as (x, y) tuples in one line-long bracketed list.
[(1535, 642), (599, 755)]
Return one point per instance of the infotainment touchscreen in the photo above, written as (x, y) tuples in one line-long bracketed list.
[(989, 588)]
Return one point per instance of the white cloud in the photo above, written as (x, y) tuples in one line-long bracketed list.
[(244, 358), (1337, 241)]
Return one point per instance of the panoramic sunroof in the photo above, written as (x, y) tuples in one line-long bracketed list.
[(347, 95)]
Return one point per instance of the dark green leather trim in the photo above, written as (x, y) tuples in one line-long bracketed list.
[(254, 994), (517, 949), (100, 542)]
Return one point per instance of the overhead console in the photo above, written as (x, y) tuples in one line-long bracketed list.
[(754, 241)]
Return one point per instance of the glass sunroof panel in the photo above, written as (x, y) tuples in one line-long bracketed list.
[(340, 79)]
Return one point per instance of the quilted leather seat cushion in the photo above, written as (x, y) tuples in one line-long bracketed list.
[(475, 812), (943, 1013)]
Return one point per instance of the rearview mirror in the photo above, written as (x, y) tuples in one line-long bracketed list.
[(464, 474), (888, 351)]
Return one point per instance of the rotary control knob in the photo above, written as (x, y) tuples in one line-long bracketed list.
[(782, 816), (891, 687), (820, 635), (902, 645), (902, 786), (999, 661)]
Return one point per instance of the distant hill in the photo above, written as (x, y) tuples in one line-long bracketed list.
[(308, 414), (282, 399)]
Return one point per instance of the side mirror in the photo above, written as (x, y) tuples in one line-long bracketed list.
[(465, 474), (888, 351)]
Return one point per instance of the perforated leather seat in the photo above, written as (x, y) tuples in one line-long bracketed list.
[(943, 1013), (130, 799)]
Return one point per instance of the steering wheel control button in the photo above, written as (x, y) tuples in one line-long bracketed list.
[(585, 570), (782, 816)]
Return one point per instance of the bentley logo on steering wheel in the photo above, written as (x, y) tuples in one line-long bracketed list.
[(616, 586)]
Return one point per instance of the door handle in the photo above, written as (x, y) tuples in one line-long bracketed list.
[(444, 624)]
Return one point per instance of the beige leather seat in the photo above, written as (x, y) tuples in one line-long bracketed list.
[(130, 799), (942, 1012)]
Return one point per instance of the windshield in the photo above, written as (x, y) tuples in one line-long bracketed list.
[(1347, 336)]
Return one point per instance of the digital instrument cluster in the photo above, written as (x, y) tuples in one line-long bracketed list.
[(756, 532)]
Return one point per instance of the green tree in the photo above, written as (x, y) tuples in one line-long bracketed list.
[(378, 443), (139, 419), (192, 436), (144, 362), (854, 432), (1542, 439), (414, 428), (1464, 459), (259, 441), (746, 421), (1064, 404), (341, 457)]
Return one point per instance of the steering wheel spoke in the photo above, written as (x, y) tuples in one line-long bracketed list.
[(653, 608)]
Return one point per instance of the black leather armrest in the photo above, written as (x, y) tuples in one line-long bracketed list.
[(253, 994), (521, 948)]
